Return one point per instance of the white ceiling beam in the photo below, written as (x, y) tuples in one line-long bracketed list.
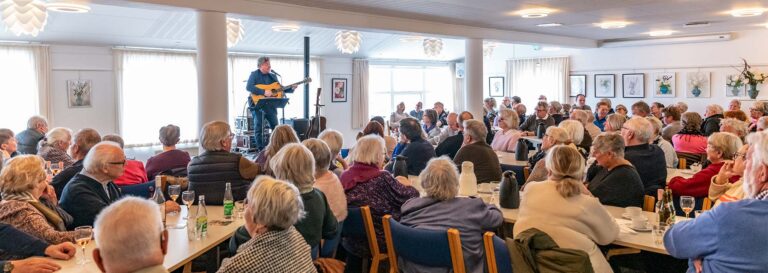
[(268, 10)]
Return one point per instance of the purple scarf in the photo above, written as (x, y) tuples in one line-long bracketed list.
[(358, 173)]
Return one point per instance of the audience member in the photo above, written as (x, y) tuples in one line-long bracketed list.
[(656, 108), (690, 139), (721, 189), (590, 126), (602, 115), (613, 179), (541, 116), (762, 123), (133, 170), (397, 115), (577, 135), (416, 148), (520, 109), (273, 209), (372, 128), (506, 103), (452, 144), (136, 247), (759, 109), (325, 181), (367, 185), (621, 109), (8, 145), (451, 130), (170, 161), (390, 141), (506, 138), (82, 143), (281, 136), (20, 244), (581, 103), (54, 146), (566, 110), (582, 116), (562, 208), (37, 126), (608, 102), (728, 238), (556, 111), (734, 105), (476, 150), (670, 155), (712, 117), (554, 136), (417, 112), (721, 146), (429, 121), (92, 190), (682, 106), (734, 126), (335, 141), (542, 98), (216, 165), (738, 114), (613, 123), (672, 124), (441, 114), (516, 100), (489, 111), (640, 109), (648, 160)]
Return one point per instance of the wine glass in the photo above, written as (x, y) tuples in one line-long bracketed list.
[(686, 203), (83, 236), (173, 192), (56, 168), (188, 197)]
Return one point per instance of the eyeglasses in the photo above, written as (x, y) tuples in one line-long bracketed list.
[(117, 163), (743, 156)]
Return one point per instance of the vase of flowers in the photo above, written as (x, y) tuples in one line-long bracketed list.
[(752, 78), (696, 80), (664, 84), (734, 83)]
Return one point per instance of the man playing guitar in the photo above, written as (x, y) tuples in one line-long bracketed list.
[(263, 76)]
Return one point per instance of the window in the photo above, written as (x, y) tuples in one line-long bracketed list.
[(391, 84), (291, 69), (19, 87), (157, 89)]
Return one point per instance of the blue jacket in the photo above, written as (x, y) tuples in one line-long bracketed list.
[(19, 243), (418, 153), (260, 78), (600, 123), (730, 238)]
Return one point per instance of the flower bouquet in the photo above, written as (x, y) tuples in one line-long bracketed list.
[(753, 78), (664, 84), (734, 82)]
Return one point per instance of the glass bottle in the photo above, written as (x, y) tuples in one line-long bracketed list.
[(229, 202), (201, 219), (159, 198)]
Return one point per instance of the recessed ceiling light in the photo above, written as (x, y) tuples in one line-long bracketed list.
[(613, 24), (549, 25), (747, 12), (411, 39), (534, 13), (657, 33), (68, 6), (285, 28)]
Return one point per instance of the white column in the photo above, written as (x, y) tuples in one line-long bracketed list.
[(211, 67), (474, 76)]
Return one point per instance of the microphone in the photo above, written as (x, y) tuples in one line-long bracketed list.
[(275, 73)]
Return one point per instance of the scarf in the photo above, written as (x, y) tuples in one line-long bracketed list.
[(51, 215), (763, 195), (358, 173)]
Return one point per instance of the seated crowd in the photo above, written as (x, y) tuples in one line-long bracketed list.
[(299, 193)]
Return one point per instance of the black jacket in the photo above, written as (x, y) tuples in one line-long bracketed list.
[(418, 153), (84, 198), (60, 180), (209, 171), (651, 165), (711, 124), (450, 146)]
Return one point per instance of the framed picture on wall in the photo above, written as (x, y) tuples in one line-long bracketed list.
[(496, 86), (633, 85), (697, 85), (665, 85), (578, 85), (734, 86), (79, 93), (339, 90), (605, 86)]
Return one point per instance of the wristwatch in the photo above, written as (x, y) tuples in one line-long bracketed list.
[(7, 267)]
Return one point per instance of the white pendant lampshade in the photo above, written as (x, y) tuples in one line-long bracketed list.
[(24, 16), (235, 31), (348, 41), (433, 46)]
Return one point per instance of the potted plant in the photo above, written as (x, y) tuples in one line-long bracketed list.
[(734, 82), (664, 84), (753, 78)]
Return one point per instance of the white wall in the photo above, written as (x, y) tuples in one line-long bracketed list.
[(339, 114)]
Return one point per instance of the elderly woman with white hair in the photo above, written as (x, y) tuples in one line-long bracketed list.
[(274, 208), (734, 126), (54, 146), (759, 109), (670, 156), (335, 141), (577, 135), (562, 208), (614, 122), (216, 165), (762, 123), (441, 209), (612, 179), (712, 116), (554, 136), (721, 146), (505, 140), (22, 183), (325, 180)]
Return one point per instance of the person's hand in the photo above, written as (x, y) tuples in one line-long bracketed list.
[(697, 265), (63, 251), (439, 123), (403, 180), (294, 86), (171, 206), (725, 174), (267, 93), (34, 265)]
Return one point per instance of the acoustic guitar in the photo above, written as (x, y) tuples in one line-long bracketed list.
[(318, 122), (277, 90)]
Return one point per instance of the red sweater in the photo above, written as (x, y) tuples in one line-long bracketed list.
[(698, 185), (135, 174)]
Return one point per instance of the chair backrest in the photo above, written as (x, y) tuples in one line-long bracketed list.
[(649, 203), (431, 248), (139, 190), (496, 254), (681, 163), (707, 204), (688, 159), (359, 225)]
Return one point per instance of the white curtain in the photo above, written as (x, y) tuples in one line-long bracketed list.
[(20, 85), (43, 75), (529, 78), (359, 93), (459, 101)]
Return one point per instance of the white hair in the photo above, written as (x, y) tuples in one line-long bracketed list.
[(212, 134), (640, 127), (369, 149), (682, 106), (58, 134), (574, 129), (334, 139), (759, 157), (762, 123), (715, 109), (274, 203), (581, 115), (475, 129), (295, 163), (128, 233), (741, 128), (100, 155), (36, 120), (440, 179), (510, 118)]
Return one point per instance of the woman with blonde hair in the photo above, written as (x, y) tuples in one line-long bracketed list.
[(554, 136), (613, 123), (281, 136), (505, 140), (54, 146), (721, 146), (564, 209)]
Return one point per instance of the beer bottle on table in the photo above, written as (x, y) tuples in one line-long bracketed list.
[(202, 218), (229, 202)]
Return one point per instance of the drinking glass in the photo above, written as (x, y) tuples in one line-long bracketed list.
[(188, 197), (658, 233), (173, 192), (240, 209), (83, 236), (686, 203), (56, 168)]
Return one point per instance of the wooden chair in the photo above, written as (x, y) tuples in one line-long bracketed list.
[(681, 163), (433, 248), (497, 257), (707, 204), (688, 159), (649, 203), (526, 173), (359, 224)]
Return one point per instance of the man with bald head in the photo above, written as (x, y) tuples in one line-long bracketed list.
[(450, 146), (92, 189), (82, 142), (452, 130)]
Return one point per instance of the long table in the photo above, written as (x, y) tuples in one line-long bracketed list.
[(181, 250)]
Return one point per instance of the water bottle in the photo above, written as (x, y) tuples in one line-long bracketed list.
[(521, 151), (467, 179), (229, 202), (509, 193), (541, 129), (201, 227), (400, 166), (159, 198)]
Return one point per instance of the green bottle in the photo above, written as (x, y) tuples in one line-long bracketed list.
[(229, 202)]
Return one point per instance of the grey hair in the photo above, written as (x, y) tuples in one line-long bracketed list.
[(762, 123), (99, 156), (133, 245), (520, 108), (581, 115), (761, 106), (321, 153), (440, 179), (556, 105), (334, 139), (609, 142), (606, 101), (274, 203), (566, 167), (114, 138), (726, 143), (294, 163), (510, 117), (682, 106), (616, 121), (560, 135), (738, 125), (369, 149), (655, 123), (714, 108), (261, 60), (169, 135), (58, 134), (36, 120), (475, 129), (212, 134), (574, 129), (640, 127)]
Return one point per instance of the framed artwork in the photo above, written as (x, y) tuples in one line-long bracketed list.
[(339, 88), (664, 85), (697, 85), (734, 86), (79, 93), (633, 85), (605, 86), (496, 86), (578, 85)]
